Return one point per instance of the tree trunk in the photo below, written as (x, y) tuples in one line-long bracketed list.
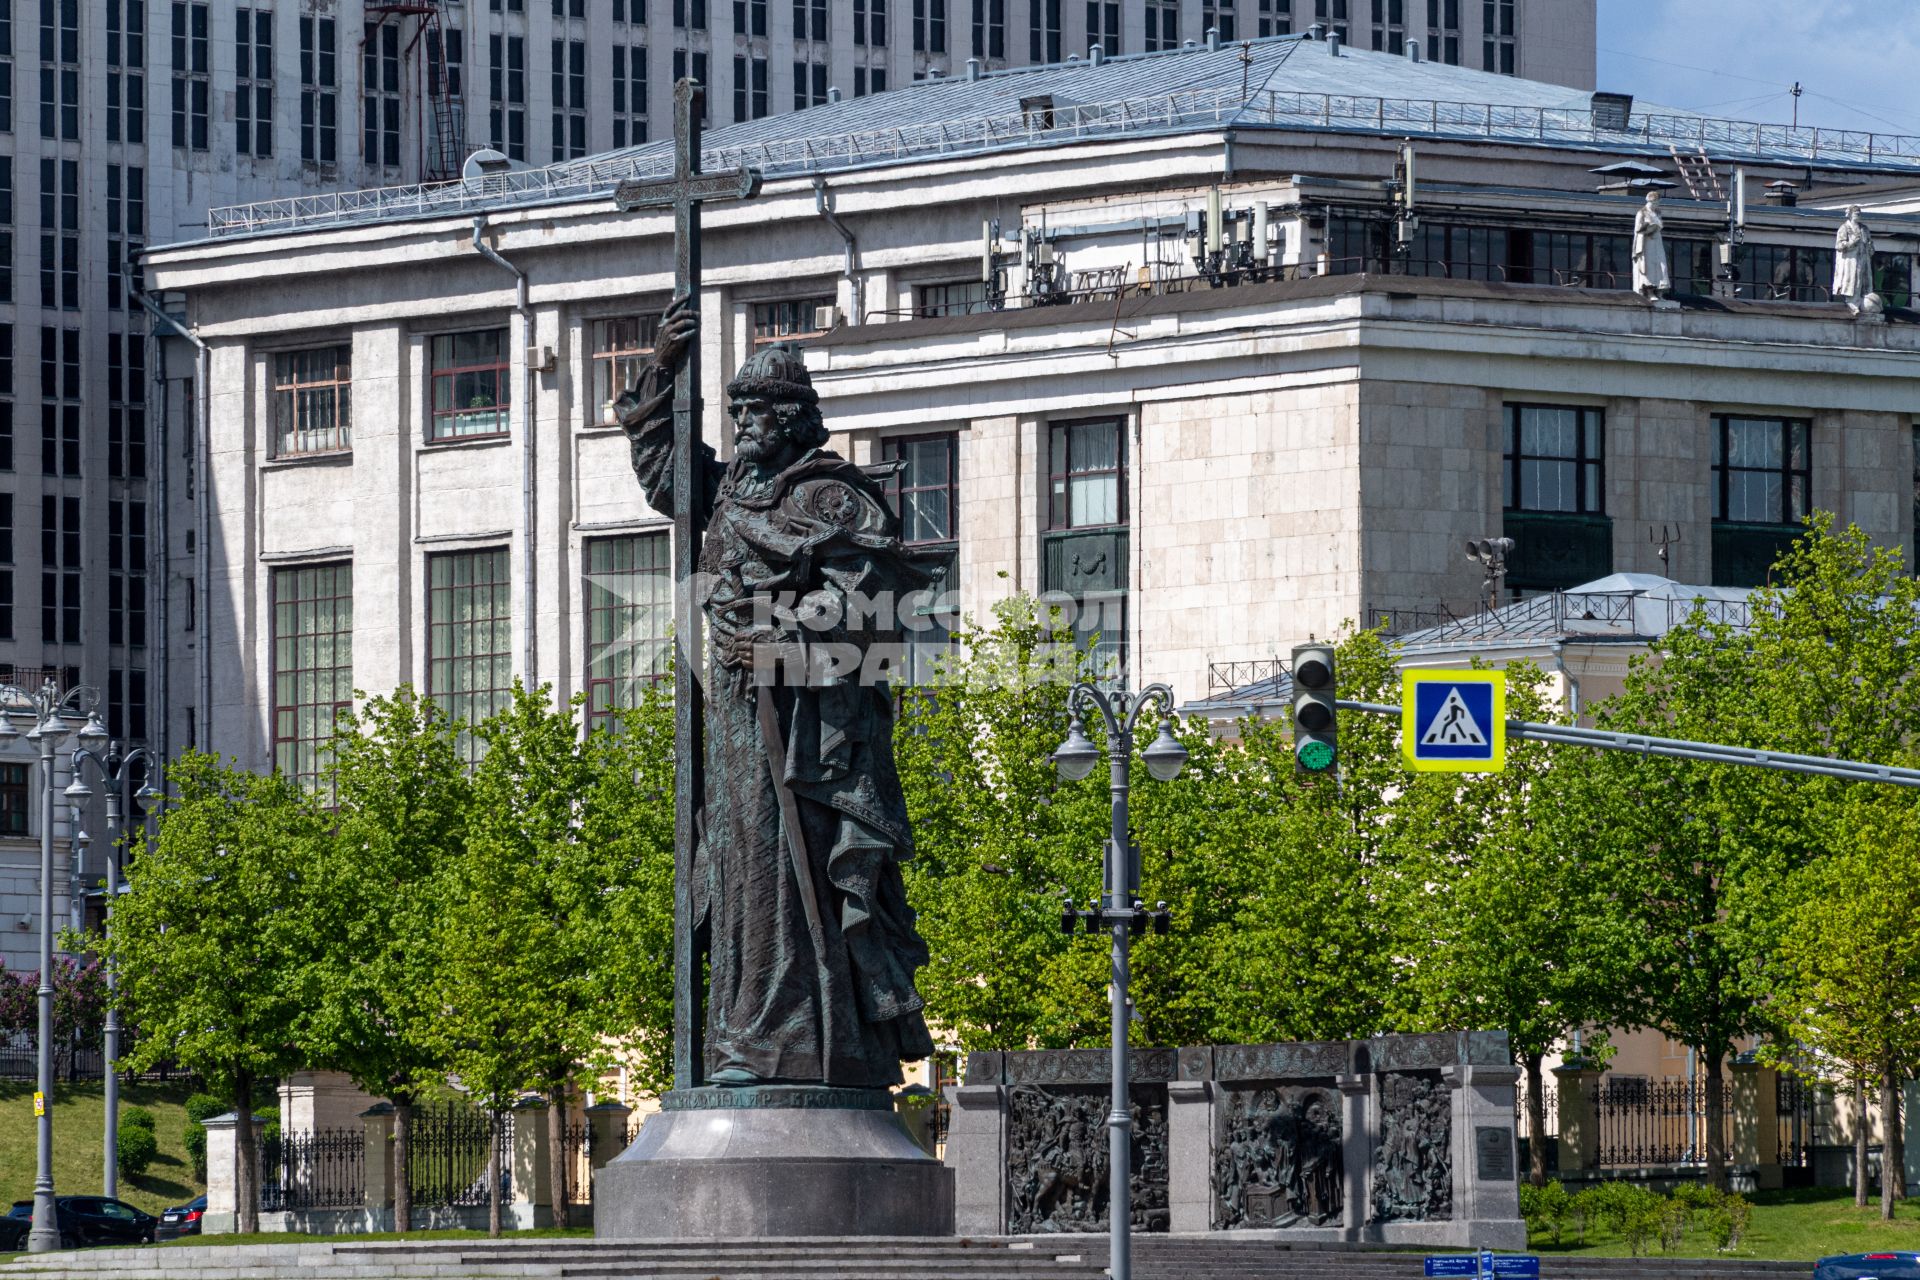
[(1716, 1120), (402, 1144), (1860, 1142), (1896, 1160), (493, 1174), (557, 1154), (1889, 1143), (1536, 1123), (246, 1157)]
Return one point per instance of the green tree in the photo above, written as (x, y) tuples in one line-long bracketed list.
[(401, 798), (211, 932)]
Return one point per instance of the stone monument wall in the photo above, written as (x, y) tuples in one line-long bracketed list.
[(1393, 1139)]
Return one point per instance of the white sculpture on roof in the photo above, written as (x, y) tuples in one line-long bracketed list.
[(1651, 278), (1853, 266)]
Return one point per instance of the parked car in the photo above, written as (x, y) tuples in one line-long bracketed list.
[(90, 1220), (13, 1232), (1868, 1266), (183, 1220)]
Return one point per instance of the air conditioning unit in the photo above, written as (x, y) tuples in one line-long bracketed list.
[(541, 359), (826, 319)]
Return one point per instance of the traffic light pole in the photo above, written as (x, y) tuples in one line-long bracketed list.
[(1684, 749)]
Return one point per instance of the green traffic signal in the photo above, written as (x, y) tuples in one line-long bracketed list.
[(1316, 756)]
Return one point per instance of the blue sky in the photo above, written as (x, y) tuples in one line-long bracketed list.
[(1858, 61)]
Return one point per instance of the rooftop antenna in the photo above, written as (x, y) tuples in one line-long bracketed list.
[(1491, 554), (1797, 91), (1246, 66), (1665, 541)]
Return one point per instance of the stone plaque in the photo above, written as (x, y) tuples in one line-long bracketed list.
[(1493, 1153)]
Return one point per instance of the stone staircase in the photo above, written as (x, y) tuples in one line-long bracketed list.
[(1217, 1257)]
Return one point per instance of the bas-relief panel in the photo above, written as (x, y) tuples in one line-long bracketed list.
[(1057, 1166), (1277, 1159), (1413, 1158)]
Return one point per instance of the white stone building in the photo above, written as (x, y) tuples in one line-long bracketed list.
[(1222, 470)]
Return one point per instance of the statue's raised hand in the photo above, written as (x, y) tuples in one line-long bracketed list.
[(679, 327)]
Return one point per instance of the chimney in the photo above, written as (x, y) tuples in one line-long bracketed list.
[(1317, 31), (1413, 50), (1097, 54), (833, 93), (1213, 38), (1783, 193), (973, 68), (1333, 44)]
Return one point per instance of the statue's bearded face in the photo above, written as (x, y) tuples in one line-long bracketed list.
[(760, 434)]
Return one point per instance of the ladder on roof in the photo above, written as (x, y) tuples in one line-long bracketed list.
[(1698, 174), (443, 145)]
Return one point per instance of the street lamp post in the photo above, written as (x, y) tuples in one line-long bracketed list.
[(116, 771), (1119, 909), (50, 711)]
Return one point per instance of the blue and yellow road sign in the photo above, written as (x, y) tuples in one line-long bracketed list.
[(1454, 721)]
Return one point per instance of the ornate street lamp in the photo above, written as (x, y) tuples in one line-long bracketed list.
[(51, 711), (1119, 908), (116, 774)]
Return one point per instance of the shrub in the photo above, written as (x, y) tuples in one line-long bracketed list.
[(137, 1149), (1545, 1208), (199, 1107), (136, 1118), (1632, 1212), (1694, 1195), (1727, 1219)]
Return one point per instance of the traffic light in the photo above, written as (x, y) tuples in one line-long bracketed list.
[(1314, 722)]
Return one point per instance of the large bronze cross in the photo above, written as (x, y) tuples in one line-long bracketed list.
[(685, 192)]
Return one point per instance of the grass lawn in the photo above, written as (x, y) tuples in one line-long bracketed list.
[(78, 1141), (1798, 1225)]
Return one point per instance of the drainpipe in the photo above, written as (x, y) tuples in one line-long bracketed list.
[(529, 456), (203, 368), (850, 271), (1566, 677)]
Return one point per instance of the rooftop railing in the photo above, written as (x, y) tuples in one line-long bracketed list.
[(1136, 116)]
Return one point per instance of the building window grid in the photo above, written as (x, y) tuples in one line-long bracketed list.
[(1443, 31), (788, 319), (6, 68), (570, 99), (126, 573), (957, 298), (60, 69), (1163, 25), (870, 23), (507, 93), (312, 665), (1219, 15), (810, 21), (472, 385), (924, 494), (16, 797), (319, 90), (6, 578), (1498, 43), (1333, 15), (809, 85), (929, 26), (622, 346), (750, 18), (749, 88), (630, 95), (1275, 18), (60, 569), (59, 234), (192, 82), (697, 58), (60, 402), (1390, 26), (469, 640), (690, 15), (380, 85), (990, 30), (1086, 475), (1043, 31), (126, 406), (126, 78), (1762, 469), (1555, 459), (253, 82), (312, 401), (629, 621)]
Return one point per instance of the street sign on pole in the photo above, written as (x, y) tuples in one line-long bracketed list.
[(1484, 1265), (1454, 721)]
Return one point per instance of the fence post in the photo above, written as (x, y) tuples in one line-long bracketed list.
[(223, 1205), (1579, 1090), (377, 1129), (532, 1170), (1756, 1121), (606, 1135)]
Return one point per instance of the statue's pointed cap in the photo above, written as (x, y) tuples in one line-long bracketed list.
[(777, 372)]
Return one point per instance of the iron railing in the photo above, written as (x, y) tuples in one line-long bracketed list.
[(1134, 116), (1794, 1104), (577, 1148), (324, 1169), (1649, 1122), (80, 1061), (1224, 677), (447, 1155)]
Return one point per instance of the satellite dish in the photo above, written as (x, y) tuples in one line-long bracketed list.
[(487, 163)]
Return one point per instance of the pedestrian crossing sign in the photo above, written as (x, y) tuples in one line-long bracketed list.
[(1454, 721)]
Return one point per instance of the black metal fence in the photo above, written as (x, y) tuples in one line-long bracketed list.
[(1646, 1122), (325, 1169), (76, 1061), (447, 1155), (1794, 1109), (577, 1145)]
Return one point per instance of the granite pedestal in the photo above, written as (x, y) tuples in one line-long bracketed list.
[(773, 1161)]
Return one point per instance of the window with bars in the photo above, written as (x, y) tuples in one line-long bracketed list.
[(629, 95), (126, 115), (1043, 31), (60, 402), (929, 26), (786, 319), (810, 20), (990, 29), (959, 298), (809, 84), (749, 88), (1163, 25), (750, 17), (924, 494), (312, 664), (1275, 18), (380, 95), (569, 99), (59, 569), (1443, 31), (1219, 15), (1333, 15), (126, 572), (253, 82), (621, 347), (126, 406), (319, 90), (312, 401), (507, 93), (192, 83), (469, 637), (60, 69), (1390, 25), (472, 385), (59, 234), (1497, 40), (1103, 26), (1555, 459), (629, 607), (1762, 469)]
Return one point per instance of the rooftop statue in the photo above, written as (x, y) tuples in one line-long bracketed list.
[(1651, 277), (812, 945), (1853, 266)]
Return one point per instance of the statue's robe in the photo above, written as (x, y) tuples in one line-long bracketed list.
[(789, 1001), (1852, 263)]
